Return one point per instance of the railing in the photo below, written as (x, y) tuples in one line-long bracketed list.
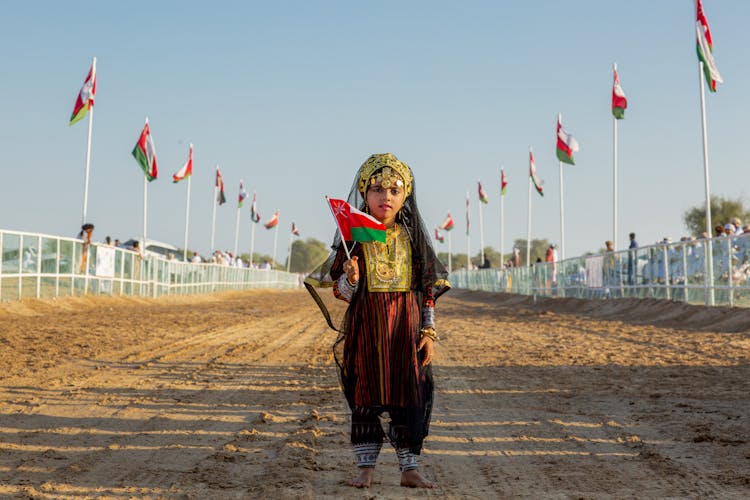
[(44, 266), (707, 271)]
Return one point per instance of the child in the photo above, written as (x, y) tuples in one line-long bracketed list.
[(386, 340)]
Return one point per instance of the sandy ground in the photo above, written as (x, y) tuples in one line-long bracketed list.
[(236, 396)]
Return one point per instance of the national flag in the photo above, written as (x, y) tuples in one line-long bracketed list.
[(705, 48), (254, 215), (503, 182), (566, 144), (145, 153), (439, 236), (532, 173), (619, 101), (447, 224), (482, 195), (467, 214), (220, 197), (295, 229), (85, 99), (242, 195), (186, 170), (354, 224), (273, 221)]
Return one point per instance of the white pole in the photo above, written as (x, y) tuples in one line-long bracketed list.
[(502, 223), (213, 214), (88, 156), (709, 230), (237, 228), (614, 184), (562, 205), (450, 254), (145, 210), (187, 216), (468, 240), (289, 252), (275, 239), (252, 242), (481, 235), (528, 220)]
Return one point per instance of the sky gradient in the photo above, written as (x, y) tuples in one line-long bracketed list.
[(291, 97)]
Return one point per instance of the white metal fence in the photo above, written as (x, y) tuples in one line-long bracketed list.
[(707, 271), (43, 266)]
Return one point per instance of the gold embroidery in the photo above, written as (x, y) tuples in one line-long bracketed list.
[(389, 264)]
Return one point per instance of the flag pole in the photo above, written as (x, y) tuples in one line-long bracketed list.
[(562, 205), (88, 156), (237, 226), (213, 214), (145, 210), (343, 241), (187, 212), (252, 242), (275, 239), (528, 218), (614, 183), (502, 222), (450, 254), (709, 230), (289, 251), (468, 238), (481, 235)]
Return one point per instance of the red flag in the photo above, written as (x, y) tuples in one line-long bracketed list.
[(85, 99), (354, 224), (145, 153), (532, 173), (482, 195), (439, 236), (254, 215), (295, 229), (447, 224), (220, 197), (273, 221), (186, 170), (503, 182)]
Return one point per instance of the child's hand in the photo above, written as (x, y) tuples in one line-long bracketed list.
[(351, 268), (428, 345)]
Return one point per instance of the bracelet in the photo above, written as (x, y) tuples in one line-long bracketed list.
[(429, 332), (350, 283)]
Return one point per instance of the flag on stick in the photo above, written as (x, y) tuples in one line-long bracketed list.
[(532, 173), (705, 48), (439, 236), (482, 195), (619, 101), (254, 215), (295, 229), (242, 195), (447, 224), (273, 221), (566, 144), (145, 153), (220, 197), (85, 99), (186, 170), (354, 224), (503, 182)]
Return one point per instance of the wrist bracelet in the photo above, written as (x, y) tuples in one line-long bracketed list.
[(350, 283), (429, 332)]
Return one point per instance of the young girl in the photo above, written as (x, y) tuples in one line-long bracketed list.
[(386, 340)]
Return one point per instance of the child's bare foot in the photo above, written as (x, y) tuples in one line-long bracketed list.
[(413, 479), (364, 478)]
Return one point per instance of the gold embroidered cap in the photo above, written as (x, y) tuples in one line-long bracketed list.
[(390, 171)]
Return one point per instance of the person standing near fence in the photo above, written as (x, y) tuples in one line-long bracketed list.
[(386, 341), (632, 258)]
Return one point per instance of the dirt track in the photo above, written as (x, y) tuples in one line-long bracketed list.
[(236, 396)]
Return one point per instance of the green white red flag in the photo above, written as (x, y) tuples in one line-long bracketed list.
[(482, 194), (566, 144), (273, 221), (85, 99), (503, 182), (254, 215), (439, 236), (242, 195), (705, 48), (448, 223), (295, 229), (145, 153), (619, 101), (354, 224), (532, 174), (186, 170), (220, 196)]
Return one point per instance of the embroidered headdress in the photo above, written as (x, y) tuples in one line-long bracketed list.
[(386, 169)]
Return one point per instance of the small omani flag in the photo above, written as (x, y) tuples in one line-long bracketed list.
[(220, 197), (532, 174), (705, 48), (242, 195), (186, 170), (295, 229), (354, 224), (482, 194), (619, 101), (254, 215), (273, 221), (566, 144), (503, 182), (85, 99), (448, 223), (145, 153), (439, 236)]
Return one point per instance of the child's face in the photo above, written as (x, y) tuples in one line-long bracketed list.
[(384, 203)]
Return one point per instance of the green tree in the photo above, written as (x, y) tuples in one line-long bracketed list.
[(538, 249), (722, 211), (307, 255)]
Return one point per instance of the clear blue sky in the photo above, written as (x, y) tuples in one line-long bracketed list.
[(291, 97)]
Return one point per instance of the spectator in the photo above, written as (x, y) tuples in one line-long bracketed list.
[(108, 241), (632, 256), (196, 259), (737, 223)]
